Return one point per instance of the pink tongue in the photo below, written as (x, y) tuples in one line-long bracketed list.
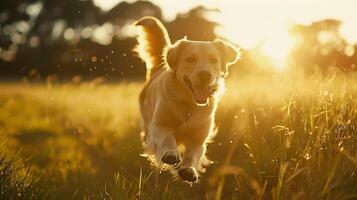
[(201, 94)]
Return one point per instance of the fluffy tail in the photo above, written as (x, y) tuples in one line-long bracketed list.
[(153, 39)]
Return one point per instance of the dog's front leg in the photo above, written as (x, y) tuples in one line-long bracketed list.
[(162, 143), (192, 156), (195, 148)]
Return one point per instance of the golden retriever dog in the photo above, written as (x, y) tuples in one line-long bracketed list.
[(179, 100)]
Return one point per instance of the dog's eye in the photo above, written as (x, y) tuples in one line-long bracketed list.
[(213, 60), (191, 59)]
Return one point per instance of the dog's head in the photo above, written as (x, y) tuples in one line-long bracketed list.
[(199, 66)]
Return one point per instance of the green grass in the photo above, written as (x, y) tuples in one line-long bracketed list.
[(279, 138)]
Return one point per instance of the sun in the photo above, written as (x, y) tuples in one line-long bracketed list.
[(277, 47), (272, 40)]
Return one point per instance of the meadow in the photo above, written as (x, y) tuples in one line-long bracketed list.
[(279, 137)]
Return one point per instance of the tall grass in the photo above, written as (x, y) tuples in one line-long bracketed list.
[(15, 183), (279, 137), (296, 137)]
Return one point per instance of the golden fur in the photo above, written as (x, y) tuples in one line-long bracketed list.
[(179, 100)]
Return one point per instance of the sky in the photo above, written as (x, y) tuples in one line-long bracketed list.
[(264, 22)]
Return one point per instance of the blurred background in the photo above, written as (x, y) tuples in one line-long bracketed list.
[(69, 86), (75, 40)]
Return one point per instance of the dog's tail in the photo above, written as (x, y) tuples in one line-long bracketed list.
[(153, 39)]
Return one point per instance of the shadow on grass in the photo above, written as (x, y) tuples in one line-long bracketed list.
[(33, 137)]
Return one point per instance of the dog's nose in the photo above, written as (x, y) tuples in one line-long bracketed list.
[(205, 77)]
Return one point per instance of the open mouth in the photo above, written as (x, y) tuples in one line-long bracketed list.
[(201, 93)]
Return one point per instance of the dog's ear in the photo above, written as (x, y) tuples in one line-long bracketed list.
[(229, 54), (173, 53)]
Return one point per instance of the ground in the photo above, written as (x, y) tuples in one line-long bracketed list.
[(279, 137)]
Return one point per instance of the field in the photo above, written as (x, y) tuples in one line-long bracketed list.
[(279, 137)]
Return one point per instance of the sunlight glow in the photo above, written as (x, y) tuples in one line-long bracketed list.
[(277, 47), (103, 34), (106, 4), (263, 24), (274, 42)]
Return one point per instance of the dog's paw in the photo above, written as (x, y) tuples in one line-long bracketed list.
[(170, 158), (188, 174)]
